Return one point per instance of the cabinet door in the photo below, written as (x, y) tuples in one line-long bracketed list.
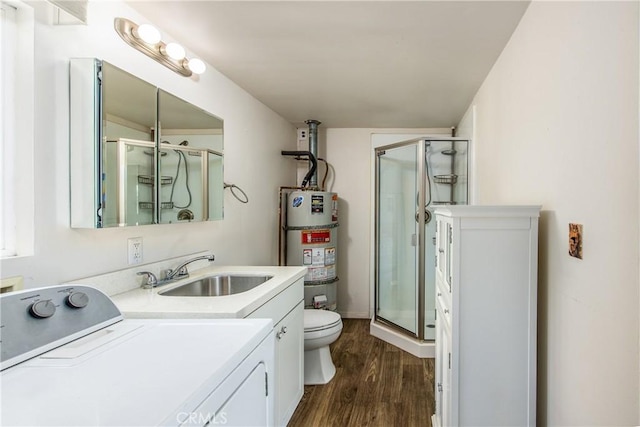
[(444, 239), (247, 386), (289, 361), (249, 394), (438, 368), (443, 368), (441, 248), (448, 254), (446, 361)]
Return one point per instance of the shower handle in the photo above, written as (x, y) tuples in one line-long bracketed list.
[(427, 216)]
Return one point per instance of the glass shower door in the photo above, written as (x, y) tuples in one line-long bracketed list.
[(397, 252), (413, 178)]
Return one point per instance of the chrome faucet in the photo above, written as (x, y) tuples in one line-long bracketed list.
[(151, 281), (170, 275), (181, 271)]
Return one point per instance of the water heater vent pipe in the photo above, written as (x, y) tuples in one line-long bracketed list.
[(313, 148)]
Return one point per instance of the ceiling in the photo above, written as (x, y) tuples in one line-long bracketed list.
[(378, 64)]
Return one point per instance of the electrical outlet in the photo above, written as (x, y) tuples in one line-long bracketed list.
[(575, 240), (10, 284), (303, 139), (134, 251)]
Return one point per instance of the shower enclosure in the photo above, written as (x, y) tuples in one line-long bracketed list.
[(412, 179)]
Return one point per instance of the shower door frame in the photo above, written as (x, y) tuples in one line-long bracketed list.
[(421, 143), (419, 334)]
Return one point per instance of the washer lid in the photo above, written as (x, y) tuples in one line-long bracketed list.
[(156, 373), (320, 319)]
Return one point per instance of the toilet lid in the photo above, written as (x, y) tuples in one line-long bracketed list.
[(320, 319)]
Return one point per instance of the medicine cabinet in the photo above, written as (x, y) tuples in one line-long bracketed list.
[(138, 154)]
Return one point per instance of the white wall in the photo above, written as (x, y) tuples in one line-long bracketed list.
[(557, 125), (347, 150), (254, 137)]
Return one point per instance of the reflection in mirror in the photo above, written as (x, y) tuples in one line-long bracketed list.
[(127, 182), (191, 143), (129, 117), (129, 105)]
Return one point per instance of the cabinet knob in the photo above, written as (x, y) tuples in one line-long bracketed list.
[(446, 311)]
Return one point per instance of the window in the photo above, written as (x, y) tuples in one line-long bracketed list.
[(16, 129)]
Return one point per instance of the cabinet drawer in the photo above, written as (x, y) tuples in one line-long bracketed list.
[(281, 304)]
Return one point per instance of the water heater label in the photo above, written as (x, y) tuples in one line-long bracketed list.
[(306, 256), (310, 237), (317, 256), (313, 257), (330, 256), (297, 201), (317, 203), (320, 273)]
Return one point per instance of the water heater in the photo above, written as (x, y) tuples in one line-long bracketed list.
[(312, 242)]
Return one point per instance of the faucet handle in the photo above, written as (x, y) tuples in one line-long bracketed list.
[(181, 272), (170, 274), (151, 281)]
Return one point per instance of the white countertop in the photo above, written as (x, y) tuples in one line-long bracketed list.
[(147, 303)]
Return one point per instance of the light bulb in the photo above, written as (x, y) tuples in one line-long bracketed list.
[(196, 65), (148, 34), (174, 51)]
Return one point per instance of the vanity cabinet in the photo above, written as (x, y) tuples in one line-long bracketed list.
[(486, 302), (287, 312)]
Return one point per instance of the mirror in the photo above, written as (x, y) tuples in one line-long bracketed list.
[(190, 160), (125, 132), (127, 169)]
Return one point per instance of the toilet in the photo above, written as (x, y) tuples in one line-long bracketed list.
[(321, 328)]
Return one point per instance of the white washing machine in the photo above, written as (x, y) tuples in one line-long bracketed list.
[(69, 359)]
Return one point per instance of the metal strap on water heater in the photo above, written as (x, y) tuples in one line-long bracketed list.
[(322, 282), (311, 227)]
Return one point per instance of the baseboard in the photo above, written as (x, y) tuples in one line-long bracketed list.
[(354, 315), (423, 350)]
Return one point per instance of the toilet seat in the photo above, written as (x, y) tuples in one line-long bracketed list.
[(319, 320)]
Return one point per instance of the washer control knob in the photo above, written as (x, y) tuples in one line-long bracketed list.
[(77, 300), (42, 309)]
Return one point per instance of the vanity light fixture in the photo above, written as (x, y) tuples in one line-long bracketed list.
[(147, 33), (174, 51), (196, 65), (147, 39)]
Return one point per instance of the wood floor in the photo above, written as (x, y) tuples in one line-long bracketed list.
[(376, 384)]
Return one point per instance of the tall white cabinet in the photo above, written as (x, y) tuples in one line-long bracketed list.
[(486, 313)]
